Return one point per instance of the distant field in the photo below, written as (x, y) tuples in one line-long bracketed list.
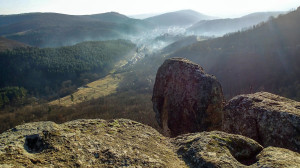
[(94, 90), (99, 88)]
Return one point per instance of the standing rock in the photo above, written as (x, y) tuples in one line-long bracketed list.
[(186, 99), (269, 119)]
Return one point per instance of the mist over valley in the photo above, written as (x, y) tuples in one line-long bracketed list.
[(63, 67)]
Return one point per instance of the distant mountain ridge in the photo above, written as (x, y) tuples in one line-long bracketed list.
[(109, 17), (178, 18), (53, 29), (220, 27), (143, 16)]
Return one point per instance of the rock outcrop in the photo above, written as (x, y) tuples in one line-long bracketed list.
[(277, 158), (125, 143), (86, 143), (217, 149), (269, 119), (186, 99)]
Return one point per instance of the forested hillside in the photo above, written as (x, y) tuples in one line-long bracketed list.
[(57, 71), (263, 58)]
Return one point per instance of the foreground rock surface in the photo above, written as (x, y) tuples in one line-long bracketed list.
[(86, 143), (125, 143), (186, 99), (269, 119)]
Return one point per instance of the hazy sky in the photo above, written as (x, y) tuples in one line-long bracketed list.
[(221, 8)]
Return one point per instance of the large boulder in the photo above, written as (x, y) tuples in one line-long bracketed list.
[(218, 149), (186, 99), (269, 119)]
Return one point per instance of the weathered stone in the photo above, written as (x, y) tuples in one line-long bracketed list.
[(278, 158), (186, 99), (269, 119), (86, 143), (217, 149), (125, 143)]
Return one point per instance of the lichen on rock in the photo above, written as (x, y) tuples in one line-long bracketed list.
[(217, 149), (269, 119), (86, 143), (126, 143)]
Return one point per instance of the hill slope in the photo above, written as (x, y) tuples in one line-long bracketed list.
[(264, 58), (220, 27), (178, 18), (6, 44), (53, 29)]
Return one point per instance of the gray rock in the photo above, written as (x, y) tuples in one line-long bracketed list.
[(186, 99), (269, 119), (217, 149)]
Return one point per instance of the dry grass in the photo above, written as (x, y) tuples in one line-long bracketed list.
[(100, 88), (129, 105)]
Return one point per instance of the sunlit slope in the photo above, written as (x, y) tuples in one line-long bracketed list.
[(94, 90), (99, 88)]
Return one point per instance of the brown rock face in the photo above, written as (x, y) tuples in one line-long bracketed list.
[(267, 118), (186, 99)]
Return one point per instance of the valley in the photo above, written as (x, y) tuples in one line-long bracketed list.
[(150, 83), (70, 75)]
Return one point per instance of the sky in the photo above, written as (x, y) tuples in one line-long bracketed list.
[(219, 8)]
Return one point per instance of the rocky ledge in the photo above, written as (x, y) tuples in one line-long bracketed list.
[(86, 143), (125, 143), (269, 119)]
